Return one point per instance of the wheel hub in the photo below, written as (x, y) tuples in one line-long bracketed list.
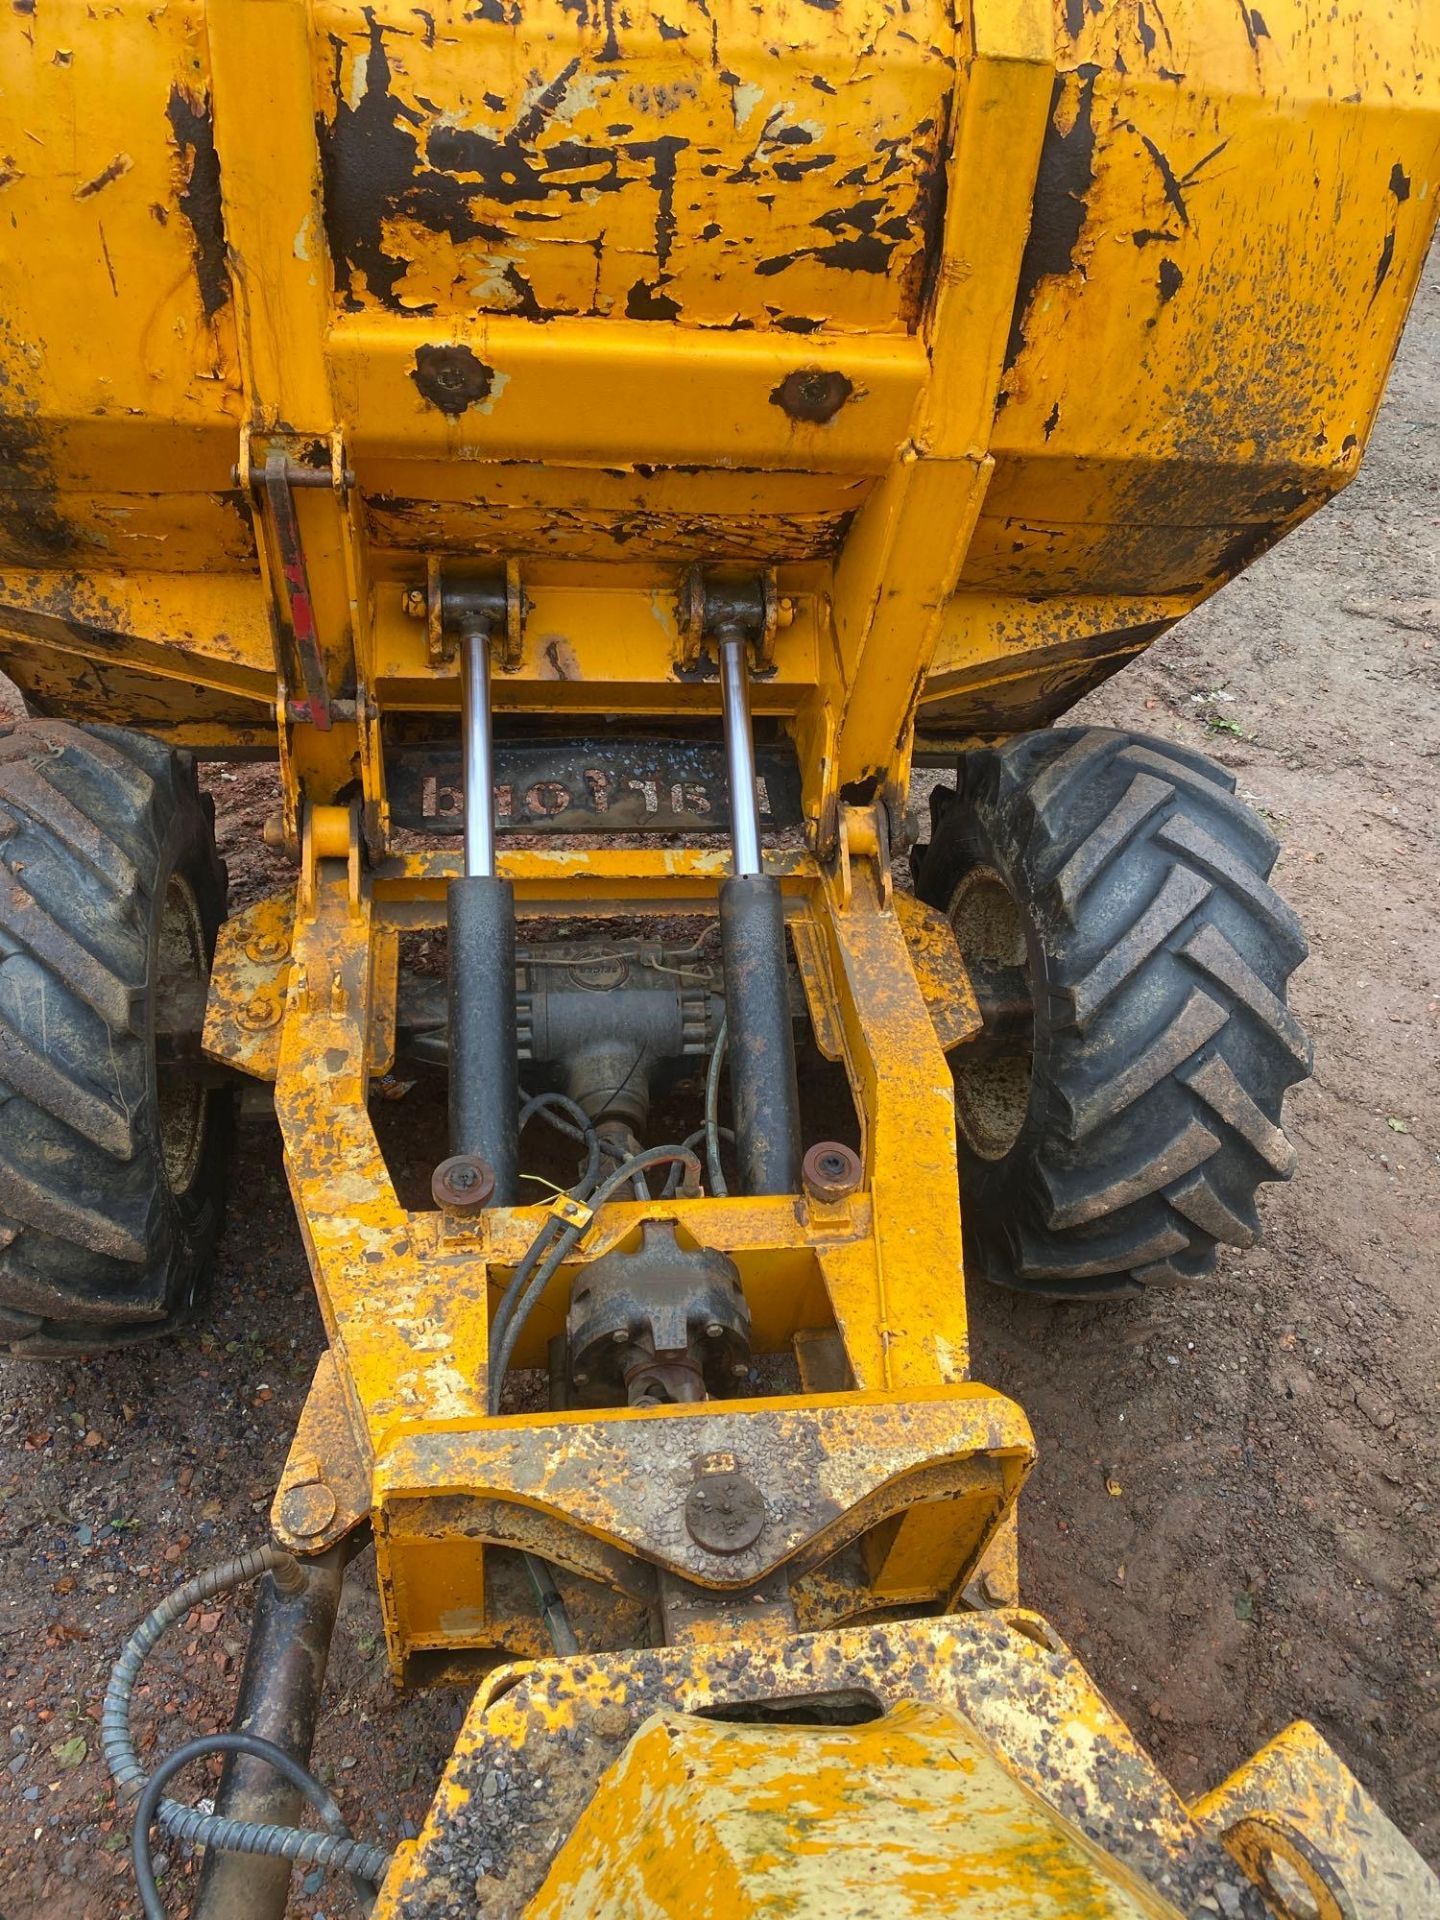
[(992, 1073)]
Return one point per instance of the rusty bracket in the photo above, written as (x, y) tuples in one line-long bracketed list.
[(864, 835), (941, 971), (274, 481), (751, 602), (995, 1582), (250, 983), (451, 600), (324, 1491)]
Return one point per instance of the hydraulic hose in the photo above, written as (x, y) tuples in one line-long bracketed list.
[(547, 1251), (256, 1749), (188, 1824), (712, 1111)]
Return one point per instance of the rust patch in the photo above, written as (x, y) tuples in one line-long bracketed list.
[(996, 708), (1382, 270), (121, 164), (193, 129), (1062, 186), (812, 394), (452, 378), (647, 302), (31, 526), (373, 175)]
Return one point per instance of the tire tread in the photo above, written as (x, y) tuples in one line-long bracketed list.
[(1164, 1041), (94, 1250)]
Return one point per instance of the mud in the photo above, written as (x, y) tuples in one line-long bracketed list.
[(1234, 1519)]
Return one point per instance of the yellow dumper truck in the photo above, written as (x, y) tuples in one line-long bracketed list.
[(598, 449)]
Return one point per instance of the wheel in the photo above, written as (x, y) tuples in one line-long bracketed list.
[(1122, 1106), (112, 1172)]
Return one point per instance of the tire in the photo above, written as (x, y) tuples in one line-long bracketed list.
[(1114, 1133), (112, 1176)]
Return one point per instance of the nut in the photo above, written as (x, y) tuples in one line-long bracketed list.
[(462, 1184), (258, 1014), (831, 1172), (812, 394)]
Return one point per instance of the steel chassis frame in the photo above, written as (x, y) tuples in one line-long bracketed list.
[(886, 1481)]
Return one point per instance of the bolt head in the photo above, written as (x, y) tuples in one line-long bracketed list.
[(462, 1184), (620, 1337), (714, 1331), (724, 1512), (267, 946), (831, 1172), (308, 1510), (258, 1014)]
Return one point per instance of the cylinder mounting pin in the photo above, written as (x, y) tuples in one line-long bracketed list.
[(462, 1184), (831, 1172)]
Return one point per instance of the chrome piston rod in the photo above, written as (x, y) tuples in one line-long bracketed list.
[(739, 754), (764, 1094), (478, 752)]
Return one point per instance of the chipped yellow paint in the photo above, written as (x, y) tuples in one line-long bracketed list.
[(939, 970), (1024, 1704), (1098, 306), (735, 1820), (561, 161), (304, 993), (1003, 334), (1296, 1801)]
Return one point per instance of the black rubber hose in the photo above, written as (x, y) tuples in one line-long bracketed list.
[(708, 1137), (549, 1232), (152, 1806), (710, 1132), (188, 1823), (553, 1107)]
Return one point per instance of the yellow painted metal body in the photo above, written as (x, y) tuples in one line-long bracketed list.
[(1103, 304), (963, 1766), (711, 1817), (1000, 334), (910, 1471)]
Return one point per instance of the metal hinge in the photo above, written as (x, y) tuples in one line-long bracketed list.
[(273, 483)]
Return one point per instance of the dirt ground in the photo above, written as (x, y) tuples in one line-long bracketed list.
[(1234, 1519)]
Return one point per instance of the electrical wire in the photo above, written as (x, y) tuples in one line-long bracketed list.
[(580, 1126), (712, 1112), (691, 1141), (150, 1806), (541, 1258), (552, 1107), (189, 1824), (550, 1230)]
